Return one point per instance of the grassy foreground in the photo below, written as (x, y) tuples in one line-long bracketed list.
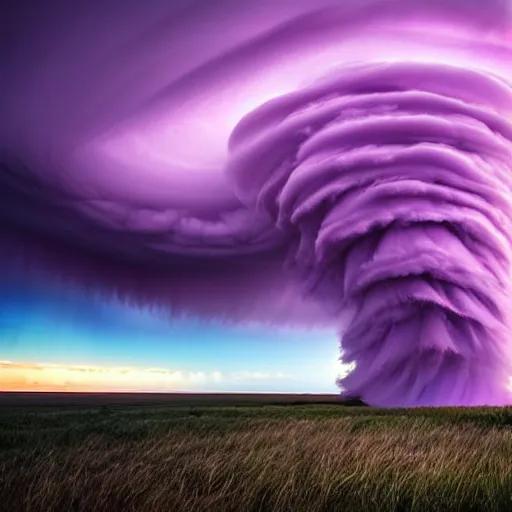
[(254, 458)]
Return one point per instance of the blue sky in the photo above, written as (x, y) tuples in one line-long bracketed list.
[(62, 328)]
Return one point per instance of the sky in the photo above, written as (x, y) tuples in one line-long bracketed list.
[(313, 162), (62, 341)]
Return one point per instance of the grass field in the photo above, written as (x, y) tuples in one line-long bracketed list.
[(238, 453)]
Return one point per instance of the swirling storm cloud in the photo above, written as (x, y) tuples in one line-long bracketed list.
[(308, 162)]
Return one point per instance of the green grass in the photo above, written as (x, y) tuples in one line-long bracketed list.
[(227, 458)]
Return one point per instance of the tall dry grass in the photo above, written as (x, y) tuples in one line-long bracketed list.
[(299, 465)]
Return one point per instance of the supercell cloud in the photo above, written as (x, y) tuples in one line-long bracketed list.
[(309, 162)]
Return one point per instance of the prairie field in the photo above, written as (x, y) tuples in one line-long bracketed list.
[(249, 453)]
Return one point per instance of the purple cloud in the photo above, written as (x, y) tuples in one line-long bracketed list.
[(304, 162)]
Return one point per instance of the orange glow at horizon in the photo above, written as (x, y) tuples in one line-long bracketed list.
[(52, 377), (79, 378)]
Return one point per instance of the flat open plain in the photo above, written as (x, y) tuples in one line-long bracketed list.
[(248, 452), (34, 399)]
